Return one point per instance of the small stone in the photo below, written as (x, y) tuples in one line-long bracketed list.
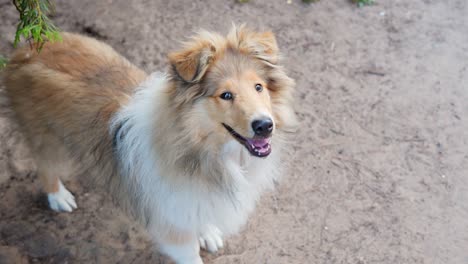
[(41, 245)]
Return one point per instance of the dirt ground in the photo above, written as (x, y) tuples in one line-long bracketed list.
[(378, 172)]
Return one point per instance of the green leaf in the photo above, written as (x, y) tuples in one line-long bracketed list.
[(34, 25), (3, 62), (361, 3)]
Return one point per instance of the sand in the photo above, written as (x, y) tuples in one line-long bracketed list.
[(378, 172)]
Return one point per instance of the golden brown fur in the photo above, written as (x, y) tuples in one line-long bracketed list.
[(65, 96)]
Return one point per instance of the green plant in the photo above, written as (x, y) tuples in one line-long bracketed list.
[(34, 25), (361, 3), (3, 62)]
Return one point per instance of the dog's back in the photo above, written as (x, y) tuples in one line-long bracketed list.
[(65, 76)]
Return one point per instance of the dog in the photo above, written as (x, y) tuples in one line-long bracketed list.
[(186, 152)]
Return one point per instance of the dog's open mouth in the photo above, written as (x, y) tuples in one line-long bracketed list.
[(258, 147)]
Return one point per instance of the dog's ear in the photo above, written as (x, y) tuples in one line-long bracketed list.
[(261, 45), (191, 63)]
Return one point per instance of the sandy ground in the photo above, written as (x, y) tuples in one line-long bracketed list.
[(379, 170)]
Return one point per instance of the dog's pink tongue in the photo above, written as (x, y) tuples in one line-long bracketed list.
[(259, 143), (259, 147)]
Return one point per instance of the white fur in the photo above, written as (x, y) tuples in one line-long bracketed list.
[(211, 239), (189, 206), (183, 254), (62, 200)]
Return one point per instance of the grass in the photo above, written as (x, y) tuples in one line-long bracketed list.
[(362, 3), (3, 62)]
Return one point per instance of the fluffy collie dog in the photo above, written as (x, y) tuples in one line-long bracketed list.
[(186, 152)]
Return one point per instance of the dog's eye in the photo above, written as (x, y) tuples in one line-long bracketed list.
[(258, 87), (227, 96)]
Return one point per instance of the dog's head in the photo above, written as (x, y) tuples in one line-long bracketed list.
[(232, 88)]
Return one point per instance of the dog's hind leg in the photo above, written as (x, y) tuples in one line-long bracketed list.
[(59, 198), (50, 156)]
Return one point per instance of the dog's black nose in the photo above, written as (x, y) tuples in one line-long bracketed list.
[(262, 127)]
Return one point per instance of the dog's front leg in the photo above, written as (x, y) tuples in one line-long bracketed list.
[(211, 238), (182, 247)]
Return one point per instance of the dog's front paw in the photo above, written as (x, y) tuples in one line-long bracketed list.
[(61, 201), (211, 239)]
